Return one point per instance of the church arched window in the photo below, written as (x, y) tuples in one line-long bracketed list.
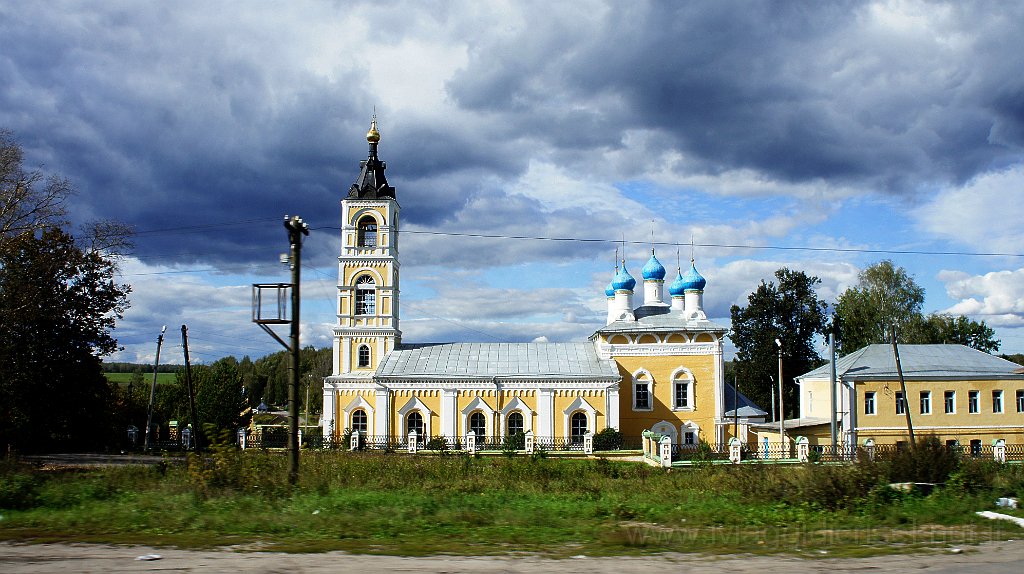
[(366, 296), (359, 421), (478, 424), (515, 423), (364, 356), (367, 231)]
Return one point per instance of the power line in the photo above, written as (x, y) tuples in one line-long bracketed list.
[(718, 245)]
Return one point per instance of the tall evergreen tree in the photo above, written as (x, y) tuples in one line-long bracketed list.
[(789, 311)]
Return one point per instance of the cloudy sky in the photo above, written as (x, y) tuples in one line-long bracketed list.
[(818, 136)]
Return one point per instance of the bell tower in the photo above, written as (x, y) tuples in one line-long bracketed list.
[(367, 327)]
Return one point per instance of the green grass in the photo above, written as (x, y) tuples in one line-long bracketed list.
[(397, 504), (147, 378)]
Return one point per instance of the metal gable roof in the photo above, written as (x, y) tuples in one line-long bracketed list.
[(506, 360), (653, 318), (920, 362)]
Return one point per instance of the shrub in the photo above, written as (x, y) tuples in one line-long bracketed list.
[(929, 461), (608, 439)]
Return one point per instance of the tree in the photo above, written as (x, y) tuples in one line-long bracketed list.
[(790, 312), (959, 330), (58, 307), (886, 296)]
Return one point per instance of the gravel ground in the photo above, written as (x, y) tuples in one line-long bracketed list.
[(993, 558)]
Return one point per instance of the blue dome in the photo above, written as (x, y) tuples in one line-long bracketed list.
[(654, 269), (609, 290), (693, 281), (678, 287), (623, 281)]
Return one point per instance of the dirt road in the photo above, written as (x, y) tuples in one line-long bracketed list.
[(991, 558)]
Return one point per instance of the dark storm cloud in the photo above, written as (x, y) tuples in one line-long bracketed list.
[(799, 91)]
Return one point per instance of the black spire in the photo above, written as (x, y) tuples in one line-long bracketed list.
[(372, 183)]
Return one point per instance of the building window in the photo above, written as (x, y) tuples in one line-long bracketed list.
[(364, 356), (478, 424), (1020, 400), (366, 296), (689, 438), (869, 403), (901, 405), (359, 421), (682, 390), (926, 402), (682, 394), (973, 398), (414, 422), (997, 401), (976, 447), (367, 232), (641, 393), (578, 426), (949, 400), (642, 400), (515, 423)]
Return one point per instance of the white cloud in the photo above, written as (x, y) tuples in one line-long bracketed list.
[(985, 213), (996, 297)]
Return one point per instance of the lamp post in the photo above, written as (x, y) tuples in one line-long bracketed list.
[(782, 415)]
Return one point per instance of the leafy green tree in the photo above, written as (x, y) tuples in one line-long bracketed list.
[(218, 389), (886, 295), (960, 330), (58, 307), (789, 311)]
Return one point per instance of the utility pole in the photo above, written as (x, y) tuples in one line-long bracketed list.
[(152, 390), (296, 229), (196, 433), (903, 387), (782, 412), (832, 385)]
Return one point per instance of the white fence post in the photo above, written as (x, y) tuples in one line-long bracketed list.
[(588, 443), (530, 444), (666, 451), (241, 438), (999, 450), (353, 441), (869, 444), (735, 450), (413, 443), (471, 442), (803, 449)]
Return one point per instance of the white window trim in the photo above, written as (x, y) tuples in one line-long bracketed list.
[(667, 428), (874, 403), (689, 426), (578, 405), (677, 376), (1002, 401), (516, 405), (414, 404), (649, 381), (478, 404), (953, 411), (359, 403), (931, 403)]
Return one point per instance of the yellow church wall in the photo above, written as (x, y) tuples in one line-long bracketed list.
[(702, 367), (564, 399), (379, 272)]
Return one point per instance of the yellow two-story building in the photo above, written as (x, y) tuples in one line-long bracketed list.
[(959, 394), (657, 366)]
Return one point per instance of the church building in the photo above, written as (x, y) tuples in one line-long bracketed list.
[(657, 366)]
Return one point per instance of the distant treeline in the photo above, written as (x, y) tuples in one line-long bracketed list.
[(138, 367)]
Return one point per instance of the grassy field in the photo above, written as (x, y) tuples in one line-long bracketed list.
[(395, 504), (147, 378)]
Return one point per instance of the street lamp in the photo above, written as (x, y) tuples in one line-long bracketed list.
[(782, 416)]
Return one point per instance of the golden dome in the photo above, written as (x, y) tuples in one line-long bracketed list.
[(373, 136)]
